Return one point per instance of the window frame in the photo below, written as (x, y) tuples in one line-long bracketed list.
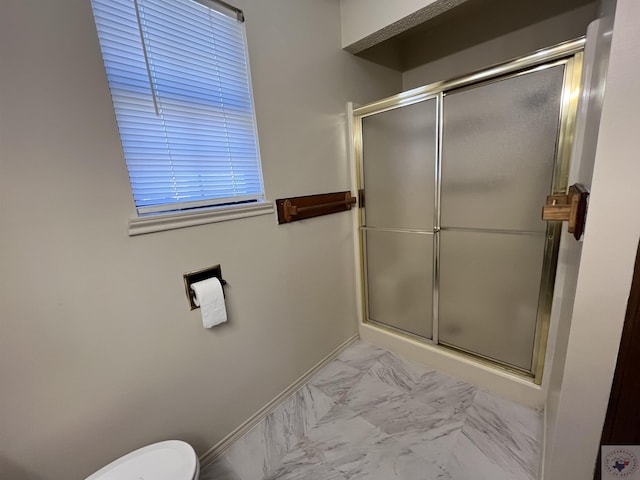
[(156, 219)]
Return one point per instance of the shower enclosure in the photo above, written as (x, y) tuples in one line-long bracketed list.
[(452, 178)]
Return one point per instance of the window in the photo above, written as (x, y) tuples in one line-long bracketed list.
[(180, 85)]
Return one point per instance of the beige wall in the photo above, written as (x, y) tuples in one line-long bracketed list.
[(99, 353), (547, 32)]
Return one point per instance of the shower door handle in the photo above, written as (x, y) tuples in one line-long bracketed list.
[(571, 207)]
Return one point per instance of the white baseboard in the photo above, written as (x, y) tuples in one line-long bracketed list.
[(219, 448), (543, 446)]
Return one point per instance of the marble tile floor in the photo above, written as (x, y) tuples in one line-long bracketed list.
[(372, 415)]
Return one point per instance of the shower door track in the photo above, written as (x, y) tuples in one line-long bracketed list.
[(568, 54)]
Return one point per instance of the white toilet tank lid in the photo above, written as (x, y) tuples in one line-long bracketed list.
[(168, 460)]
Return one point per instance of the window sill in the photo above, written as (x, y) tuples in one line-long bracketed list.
[(171, 221)]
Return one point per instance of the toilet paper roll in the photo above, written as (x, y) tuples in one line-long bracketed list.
[(210, 299)]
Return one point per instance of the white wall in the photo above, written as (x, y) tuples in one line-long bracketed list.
[(611, 241), (99, 353), (596, 59)]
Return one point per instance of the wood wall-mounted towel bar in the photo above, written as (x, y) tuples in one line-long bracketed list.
[(309, 206), (571, 207)]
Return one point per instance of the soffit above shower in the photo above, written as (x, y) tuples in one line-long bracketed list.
[(366, 23), (436, 29)]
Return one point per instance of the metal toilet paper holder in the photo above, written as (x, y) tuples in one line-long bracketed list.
[(198, 276)]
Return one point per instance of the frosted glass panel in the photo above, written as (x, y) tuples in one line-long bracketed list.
[(499, 149), (489, 284), (398, 148), (400, 280)]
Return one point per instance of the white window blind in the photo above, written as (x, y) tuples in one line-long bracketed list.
[(181, 90)]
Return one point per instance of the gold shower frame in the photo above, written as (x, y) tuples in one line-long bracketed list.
[(569, 54)]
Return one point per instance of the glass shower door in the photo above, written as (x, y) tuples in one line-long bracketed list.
[(399, 159), (498, 157)]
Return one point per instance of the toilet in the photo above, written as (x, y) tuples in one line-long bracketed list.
[(168, 460)]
